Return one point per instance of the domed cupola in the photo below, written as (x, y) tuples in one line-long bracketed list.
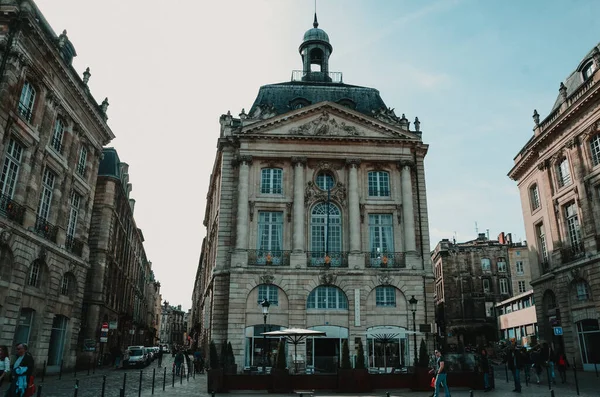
[(315, 50)]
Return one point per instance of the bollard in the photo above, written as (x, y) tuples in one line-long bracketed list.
[(595, 368), (140, 386), (575, 376), (60, 369), (506, 370), (181, 374), (188, 374), (212, 394), (75, 371), (122, 393), (471, 393), (89, 367), (164, 378), (39, 389), (387, 394), (124, 381), (44, 371), (103, 385), (551, 393), (76, 388), (153, 378), (93, 367), (173, 377)]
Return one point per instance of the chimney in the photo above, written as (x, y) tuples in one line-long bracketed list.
[(501, 238), (509, 239)]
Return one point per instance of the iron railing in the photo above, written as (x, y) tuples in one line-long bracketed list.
[(268, 258), (329, 259), (573, 252), (10, 209), (46, 229), (392, 260), (332, 77), (74, 245)]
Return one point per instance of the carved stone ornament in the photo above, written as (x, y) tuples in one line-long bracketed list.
[(571, 143), (325, 125), (299, 160), (251, 209), (242, 159), (406, 163), (313, 194), (266, 278), (361, 208), (4, 236), (353, 163), (42, 254), (327, 278), (289, 206), (387, 115), (272, 164), (542, 165), (399, 212), (384, 279)]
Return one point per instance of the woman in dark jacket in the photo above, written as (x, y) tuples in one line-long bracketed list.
[(485, 368)]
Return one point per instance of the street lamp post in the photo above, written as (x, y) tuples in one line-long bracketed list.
[(413, 308), (265, 310)]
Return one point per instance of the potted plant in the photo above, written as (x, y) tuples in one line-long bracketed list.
[(422, 378), (361, 374), (279, 373), (215, 371), (345, 372), (230, 365)]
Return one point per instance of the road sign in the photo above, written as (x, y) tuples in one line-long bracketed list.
[(103, 339), (558, 331)]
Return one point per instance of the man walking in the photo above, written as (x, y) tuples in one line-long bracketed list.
[(440, 378), (22, 370), (160, 355)]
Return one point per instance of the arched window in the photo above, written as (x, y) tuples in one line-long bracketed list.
[(349, 103), (325, 180), (379, 184), (327, 297), (595, 149), (326, 233), (588, 70), (271, 181), (57, 136), (26, 101), (298, 103)]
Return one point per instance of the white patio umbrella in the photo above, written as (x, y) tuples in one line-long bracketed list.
[(295, 336)]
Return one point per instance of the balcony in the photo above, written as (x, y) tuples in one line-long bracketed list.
[(383, 260), (331, 259), (573, 252), (45, 229), (268, 258), (11, 210), (330, 77), (74, 245)]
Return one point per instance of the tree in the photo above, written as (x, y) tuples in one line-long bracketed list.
[(224, 354), (360, 356), (423, 356), (213, 356), (281, 362), (345, 364)]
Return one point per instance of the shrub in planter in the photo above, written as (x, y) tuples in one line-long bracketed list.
[(360, 356), (423, 356), (215, 372), (362, 380), (345, 373), (213, 356), (422, 378), (279, 373), (230, 366)]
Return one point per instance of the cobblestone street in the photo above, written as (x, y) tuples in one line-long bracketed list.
[(91, 386)]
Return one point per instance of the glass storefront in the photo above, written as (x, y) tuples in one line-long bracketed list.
[(257, 352), (588, 333), (387, 348)]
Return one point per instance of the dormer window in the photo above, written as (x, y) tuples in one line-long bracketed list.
[(588, 70), (349, 103), (299, 103)]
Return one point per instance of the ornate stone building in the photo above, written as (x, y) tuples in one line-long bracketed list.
[(470, 278), (317, 203), (120, 289), (172, 327), (51, 135), (558, 174)]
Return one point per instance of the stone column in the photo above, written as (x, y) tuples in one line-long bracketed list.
[(241, 242), (298, 238), (353, 205), (408, 214)]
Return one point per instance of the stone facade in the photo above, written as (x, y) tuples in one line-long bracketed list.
[(470, 278), (51, 136), (121, 289), (172, 325), (317, 203), (558, 175)]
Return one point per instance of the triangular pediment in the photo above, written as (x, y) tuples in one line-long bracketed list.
[(325, 120)]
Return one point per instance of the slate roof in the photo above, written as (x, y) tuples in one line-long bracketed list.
[(282, 94), (575, 79)]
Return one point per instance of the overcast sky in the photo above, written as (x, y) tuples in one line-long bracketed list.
[(471, 70)]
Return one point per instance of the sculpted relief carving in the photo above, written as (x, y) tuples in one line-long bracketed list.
[(326, 125)]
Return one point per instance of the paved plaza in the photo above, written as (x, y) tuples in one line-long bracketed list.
[(91, 386)]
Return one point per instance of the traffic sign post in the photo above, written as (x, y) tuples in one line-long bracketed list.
[(104, 333), (558, 331)]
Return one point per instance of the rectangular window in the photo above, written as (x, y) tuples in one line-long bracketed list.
[(26, 101), (522, 286), (504, 286), (563, 173), (82, 161), (485, 265), (486, 286), (271, 181), (268, 292), (57, 137), (379, 184), (385, 296), (73, 214), (541, 234), (595, 149), (10, 170), (582, 291), (573, 225), (535, 197), (270, 231), (501, 263), (46, 195), (519, 267), (489, 309), (24, 327), (381, 235), (64, 287)]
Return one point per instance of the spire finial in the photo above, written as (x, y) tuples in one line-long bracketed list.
[(316, 23)]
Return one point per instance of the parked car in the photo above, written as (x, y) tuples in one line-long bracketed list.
[(136, 357)]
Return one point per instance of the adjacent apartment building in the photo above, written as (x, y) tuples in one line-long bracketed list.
[(51, 135), (517, 319), (317, 204), (172, 326), (558, 175)]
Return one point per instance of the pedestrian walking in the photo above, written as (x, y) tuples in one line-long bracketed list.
[(178, 361), (536, 363), (160, 356), (549, 359), (514, 362), (4, 364), (440, 375), (562, 364), (22, 371), (484, 364)]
